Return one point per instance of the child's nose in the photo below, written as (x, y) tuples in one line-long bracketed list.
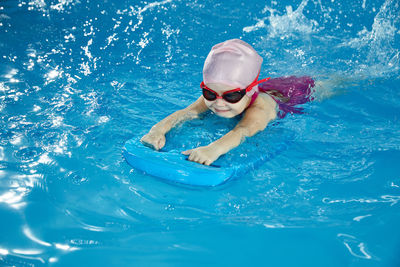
[(220, 102)]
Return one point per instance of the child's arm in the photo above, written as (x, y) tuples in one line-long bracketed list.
[(156, 136), (255, 119)]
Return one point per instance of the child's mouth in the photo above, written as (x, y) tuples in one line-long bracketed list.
[(220, 110)]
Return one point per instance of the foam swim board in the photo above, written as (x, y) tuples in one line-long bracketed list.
[(171, 165)]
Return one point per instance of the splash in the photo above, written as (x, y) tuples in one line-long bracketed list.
[(322, 39), (291, 23), (62, 4), (376, 48)]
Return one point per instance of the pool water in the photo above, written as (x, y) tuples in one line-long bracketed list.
[(80, 78)]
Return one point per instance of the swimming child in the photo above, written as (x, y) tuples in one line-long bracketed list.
[(231, 87)]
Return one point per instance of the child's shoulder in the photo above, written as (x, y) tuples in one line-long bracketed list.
[(266, 104), (265, 101)]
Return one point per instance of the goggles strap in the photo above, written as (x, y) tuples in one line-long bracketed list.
[(253, 88)]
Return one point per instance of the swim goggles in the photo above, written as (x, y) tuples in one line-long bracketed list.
[(232, 96)]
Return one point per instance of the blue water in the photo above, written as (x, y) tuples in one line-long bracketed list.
[(80, 78)]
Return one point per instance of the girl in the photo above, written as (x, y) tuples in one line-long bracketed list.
[(231, 87)]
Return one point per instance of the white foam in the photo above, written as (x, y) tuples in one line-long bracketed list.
[(292, 22), (376, 47)]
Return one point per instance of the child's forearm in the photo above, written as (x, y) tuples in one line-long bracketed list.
[(165, 125), (254, 121), (190, 112), (229, 141), (208, 154)]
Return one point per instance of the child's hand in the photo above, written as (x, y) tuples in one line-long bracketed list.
[(204, 154), (154, 140)]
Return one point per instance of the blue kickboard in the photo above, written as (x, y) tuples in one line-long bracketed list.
[(173, 166)]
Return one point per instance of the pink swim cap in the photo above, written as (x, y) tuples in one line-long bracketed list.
[(233, 62)]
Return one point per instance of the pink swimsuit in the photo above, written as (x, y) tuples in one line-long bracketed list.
[(296, 90)]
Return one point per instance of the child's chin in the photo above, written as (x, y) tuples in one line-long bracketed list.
[(226, 115)]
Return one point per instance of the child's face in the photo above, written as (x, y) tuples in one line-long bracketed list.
[(223, 108)]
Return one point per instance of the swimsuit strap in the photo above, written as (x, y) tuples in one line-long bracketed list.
[(253, 98), (254, 89)]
